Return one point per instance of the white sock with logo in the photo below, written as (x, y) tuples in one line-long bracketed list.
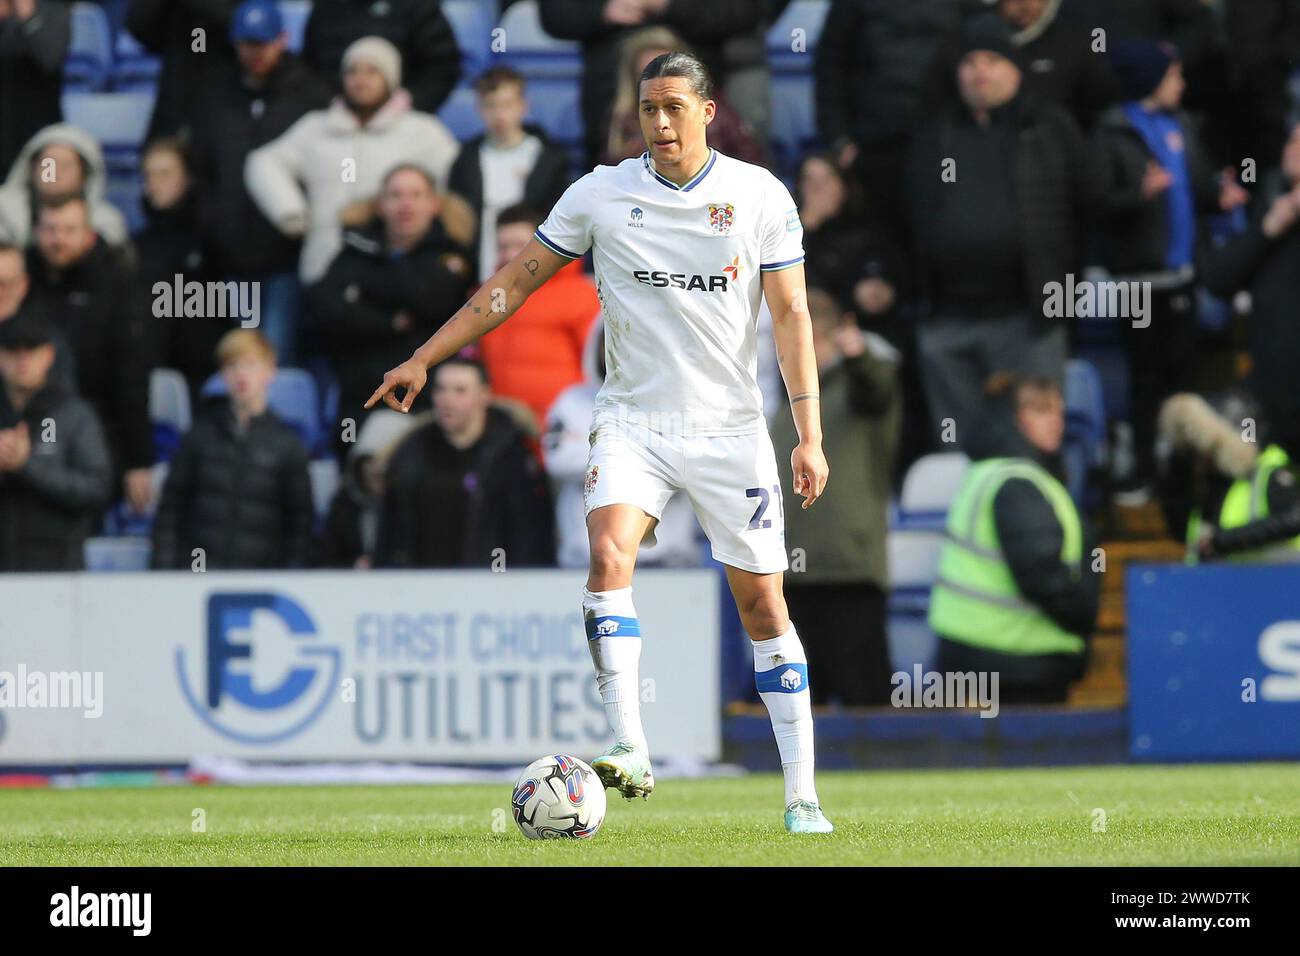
[(781, 675), (614, 638)]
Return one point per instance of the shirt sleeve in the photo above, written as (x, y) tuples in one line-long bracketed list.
[(782, 232), (567, 230)]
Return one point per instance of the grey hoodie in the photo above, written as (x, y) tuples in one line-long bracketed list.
[(15, 194)]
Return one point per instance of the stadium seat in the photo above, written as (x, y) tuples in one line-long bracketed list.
[(90, 49), (169, 410), (555, 105), (134, 67), (324, 475), (929, 487), (295, 14), (1084, 447), (534, 52), (118, 120), (913, 561), (124, 191), (117, 554), (794, 128), (805, 15), (460, 113), (472, 21), (122, 521), (292, 396)]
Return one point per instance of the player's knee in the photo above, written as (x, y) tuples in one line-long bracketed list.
[(764, 616), (610, 562)]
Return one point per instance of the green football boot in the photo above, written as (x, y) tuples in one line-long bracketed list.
[(624, 768), (805, 817)]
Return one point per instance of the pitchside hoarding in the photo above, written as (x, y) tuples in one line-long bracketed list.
[(1214, 661), (460, 666)]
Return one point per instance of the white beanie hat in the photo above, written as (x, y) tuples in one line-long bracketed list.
[(380, 54)]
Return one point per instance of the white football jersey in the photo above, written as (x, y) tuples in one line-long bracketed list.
[(678, 270)]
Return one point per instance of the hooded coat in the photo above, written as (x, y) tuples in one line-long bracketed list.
[(16, 209)]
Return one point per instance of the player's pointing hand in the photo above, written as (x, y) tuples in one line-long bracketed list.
[(410, 376), (810, 472)]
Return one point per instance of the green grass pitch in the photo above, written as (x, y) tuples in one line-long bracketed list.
[(1160, 815)]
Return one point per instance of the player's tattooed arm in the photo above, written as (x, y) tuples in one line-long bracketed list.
[(531, 266), (803, 397)]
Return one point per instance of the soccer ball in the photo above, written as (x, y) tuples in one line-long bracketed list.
[(558, 797)]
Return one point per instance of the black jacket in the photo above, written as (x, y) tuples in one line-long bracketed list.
[(166, 28), (169, 245), (355, 302), (705, 26), (235, 120), (1270, 270), (94, 302), (31, 75), (848, 248), (509, 501), (430, 57), (1135, 232), (542, 189), (50, 506), (1031, 536), (1058, 66), (244, 499), (1051, 182), (873, 65)]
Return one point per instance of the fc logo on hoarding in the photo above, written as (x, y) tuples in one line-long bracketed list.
[(267, 675)]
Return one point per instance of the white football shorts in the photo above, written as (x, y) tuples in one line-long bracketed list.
[(731, 481)]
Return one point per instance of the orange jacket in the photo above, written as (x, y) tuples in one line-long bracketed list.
[(537, 353)]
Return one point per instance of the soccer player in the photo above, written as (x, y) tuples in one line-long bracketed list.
[(685, 242)]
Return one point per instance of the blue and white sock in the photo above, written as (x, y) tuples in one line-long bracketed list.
[(781, 675), (614, 638)]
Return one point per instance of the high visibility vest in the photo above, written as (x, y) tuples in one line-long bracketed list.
[(1246, 501), (975, 599)]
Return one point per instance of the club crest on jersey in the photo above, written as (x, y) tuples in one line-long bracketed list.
[(721, 216), (634, 218)]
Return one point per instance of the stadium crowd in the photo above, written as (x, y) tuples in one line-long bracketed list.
[(964, 157)]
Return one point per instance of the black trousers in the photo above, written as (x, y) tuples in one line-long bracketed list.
[(1022, 679), (842, 628), (1159, 364)]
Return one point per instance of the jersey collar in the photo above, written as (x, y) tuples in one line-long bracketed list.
[(695, 180)]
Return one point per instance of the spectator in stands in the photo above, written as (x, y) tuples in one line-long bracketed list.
[(997, 186), (417, 28), (1015, 592), (330, 159), (256, 101), (729, 132), (1265, 260), (463, 490), (34, 37), (872, 70), (1158, 182), (728, 37), (1061, 64), (392, 285), (61, 160), (1262, 49), (87, 290), (538, 353), (14, 286), (191, 37), (511, 162), (847, 254), (55, 474), (840, 574), (351, 528), (238, 487), (671, 540), (169, 246)]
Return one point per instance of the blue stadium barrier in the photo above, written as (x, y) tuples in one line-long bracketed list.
[(117, 554), (90, 50)]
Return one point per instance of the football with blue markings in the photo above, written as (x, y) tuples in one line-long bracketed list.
[(558, 797)]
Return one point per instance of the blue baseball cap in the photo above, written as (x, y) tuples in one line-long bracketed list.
[(258, 21)]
